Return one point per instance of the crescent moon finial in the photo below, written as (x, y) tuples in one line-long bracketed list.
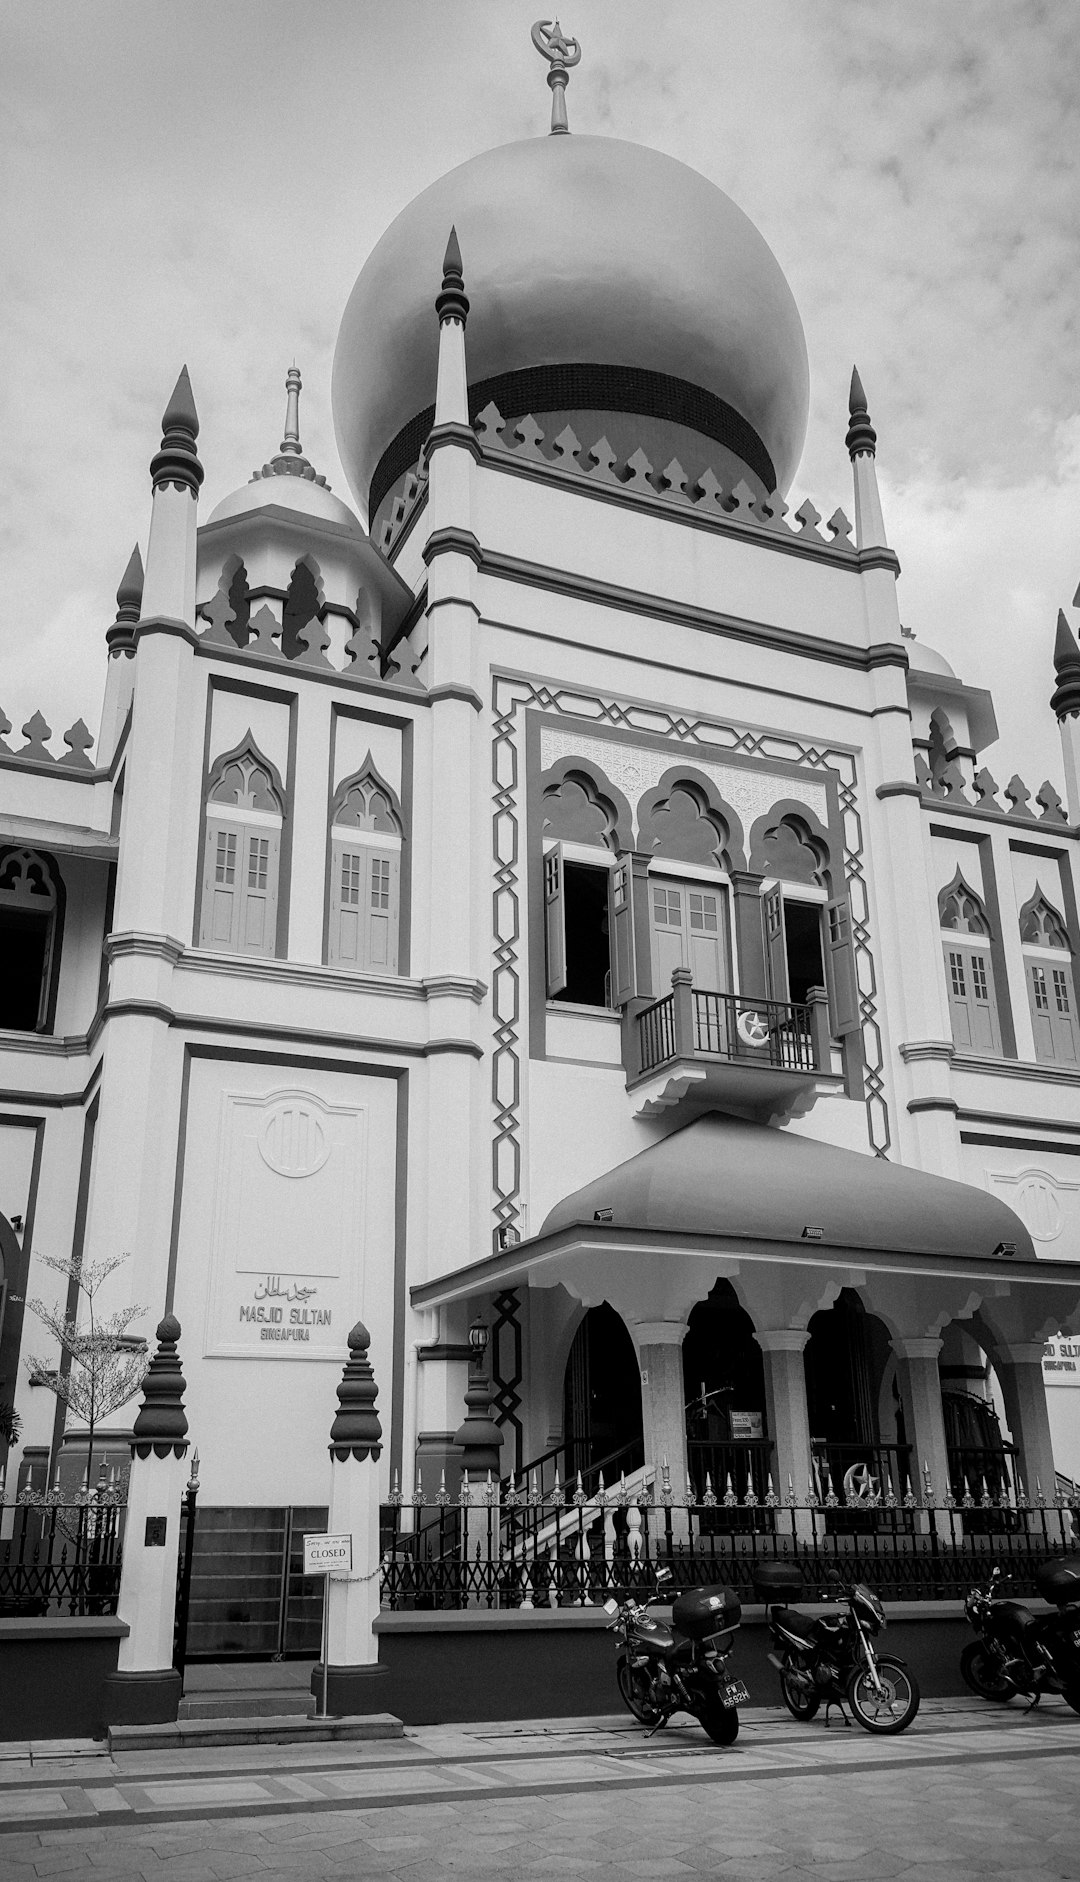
[(562, 54)]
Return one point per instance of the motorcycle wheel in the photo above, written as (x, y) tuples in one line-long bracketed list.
[(801, 1705), (891, 1710), (721, 1723), (634, 1687), (979, 1672)]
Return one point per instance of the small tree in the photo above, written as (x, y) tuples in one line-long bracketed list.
[(106, 1364)]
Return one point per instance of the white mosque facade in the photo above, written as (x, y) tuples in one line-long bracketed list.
[(549, 890)]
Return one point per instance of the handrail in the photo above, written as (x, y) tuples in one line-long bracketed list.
[(694, 1022)]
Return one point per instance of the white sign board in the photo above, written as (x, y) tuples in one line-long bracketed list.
[(324, 1554)]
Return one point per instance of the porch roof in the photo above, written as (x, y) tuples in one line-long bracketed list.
[(724, 1185)]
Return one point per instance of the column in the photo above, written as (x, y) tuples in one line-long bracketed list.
[(146, 1689), (353, 1673), (1020, 1375), (663, 1401), (785, 1401), (920, 1386)]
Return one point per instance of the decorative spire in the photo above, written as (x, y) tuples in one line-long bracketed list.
[(452, 302), (1065, 700), (289, 460), (291, 441), (161, 1425), (120, 637), (562, 55), (356, 1431), (861, 437), (177, 462), (479, 1437)]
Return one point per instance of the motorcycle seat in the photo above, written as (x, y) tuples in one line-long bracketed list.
[(1018, 1617), (795, 1623)]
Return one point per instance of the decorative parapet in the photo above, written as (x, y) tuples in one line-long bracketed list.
[(948, 789), (35, 752), (361, 657), (635, 476)]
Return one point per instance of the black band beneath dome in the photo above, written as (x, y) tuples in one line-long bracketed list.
[(586, 388)]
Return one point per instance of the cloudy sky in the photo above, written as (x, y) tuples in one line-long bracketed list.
[(202, 182)]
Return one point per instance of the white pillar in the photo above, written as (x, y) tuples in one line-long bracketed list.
[(920, 1387), (785, 1401), (146, 1689), (353, 1673), (1020, 1375), (663, 1401)]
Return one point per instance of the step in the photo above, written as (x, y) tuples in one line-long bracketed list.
[(195, 1734), (253, 1704)]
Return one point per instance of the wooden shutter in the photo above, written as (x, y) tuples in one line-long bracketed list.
[(347, 887), (986, 1037), (705, 937), (555, 921), (840, 964), (219, 926), (381, 914), (667, 914), (1053, 1018), (259, 889), (621, 922), (772, 919)]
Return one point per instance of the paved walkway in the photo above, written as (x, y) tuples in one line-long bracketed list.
[(969, 1792)]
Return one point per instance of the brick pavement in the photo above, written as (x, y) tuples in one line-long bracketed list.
[(970, 1792)]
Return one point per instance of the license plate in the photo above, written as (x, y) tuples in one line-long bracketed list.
[(734, 1693)]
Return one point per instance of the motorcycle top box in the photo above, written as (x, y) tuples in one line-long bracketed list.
[(777, 1582), (1059, 1582), (701, 1611)]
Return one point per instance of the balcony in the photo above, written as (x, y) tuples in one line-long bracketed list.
[(753, 1056)]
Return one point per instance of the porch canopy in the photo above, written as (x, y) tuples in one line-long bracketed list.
[(726, 1197)]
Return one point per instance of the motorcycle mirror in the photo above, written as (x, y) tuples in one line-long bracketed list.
[(611, 1607), (662, 1574), (835, 1578)]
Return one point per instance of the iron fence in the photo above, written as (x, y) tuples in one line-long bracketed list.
[(771, 1032), (537, 1553), (59, 1557)]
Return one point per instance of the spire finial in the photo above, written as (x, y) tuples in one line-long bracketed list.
[(120, 637), (177, 461), (562, 55), (452, 302), (861, 437), (291, 441), (1065, 701)]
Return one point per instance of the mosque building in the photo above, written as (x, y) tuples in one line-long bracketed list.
[(547, 897)]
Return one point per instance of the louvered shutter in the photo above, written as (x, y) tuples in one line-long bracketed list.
[(219, 925), (840, 960), (381, 915), (555, 921), (258, 890), (772, 919), (621, 921)]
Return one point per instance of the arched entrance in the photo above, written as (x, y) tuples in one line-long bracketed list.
[(724, 1385), (846, 1359), (602, 1398)]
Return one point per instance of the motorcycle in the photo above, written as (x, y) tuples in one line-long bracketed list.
[(1021, 1652), (833, 1658), (681, 1668)]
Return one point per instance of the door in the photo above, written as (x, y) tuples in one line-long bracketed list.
[(688, 931), (971, 999), (1053, 1016)]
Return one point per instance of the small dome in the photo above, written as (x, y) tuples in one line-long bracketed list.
[(580, 253), (924, 659), (290, 493)]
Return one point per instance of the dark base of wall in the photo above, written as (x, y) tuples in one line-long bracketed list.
[(351, 1691), (142, 1698), (526, 1672), (53, 1674)]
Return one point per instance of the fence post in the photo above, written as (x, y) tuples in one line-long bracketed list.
[(820, 1028), (353, 1673), (682, 1001), (183, 1596), (146, 1688)]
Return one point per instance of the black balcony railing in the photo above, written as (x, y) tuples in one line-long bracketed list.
[(855, 1473), (692, 1023), (730, 1468), (60, 1558)]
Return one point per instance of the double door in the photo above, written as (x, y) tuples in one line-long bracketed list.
[(688, 921)]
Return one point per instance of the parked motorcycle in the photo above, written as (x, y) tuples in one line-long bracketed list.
[(1018, 1651), (833, 1658), (681, 1668)]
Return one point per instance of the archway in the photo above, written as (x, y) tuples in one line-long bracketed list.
[(724, 1386), (981, 1453), (602, 1425), (847, 1357)]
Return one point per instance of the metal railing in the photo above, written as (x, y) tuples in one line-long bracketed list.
[(691, 1023), (557, 1472), (856, 1472), (730, 1466), (60, 1558), (559, 1556)]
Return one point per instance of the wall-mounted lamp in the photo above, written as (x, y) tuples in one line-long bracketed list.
[(478, 1340), (1005, 1248), (813, 1235)]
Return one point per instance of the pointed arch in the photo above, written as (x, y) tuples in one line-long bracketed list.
[(961, 910), (305, 599), (366, 837), (244, 778), (365, 801), (1041, 925)]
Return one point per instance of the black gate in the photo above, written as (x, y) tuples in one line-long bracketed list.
[(246, 1596)]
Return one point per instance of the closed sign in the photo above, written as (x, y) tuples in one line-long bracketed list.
[(324, 1554)]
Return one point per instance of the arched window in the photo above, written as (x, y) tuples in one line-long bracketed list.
[(31, 917), (242, 854), (366, 831), (1050, 986), (969, 972)]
